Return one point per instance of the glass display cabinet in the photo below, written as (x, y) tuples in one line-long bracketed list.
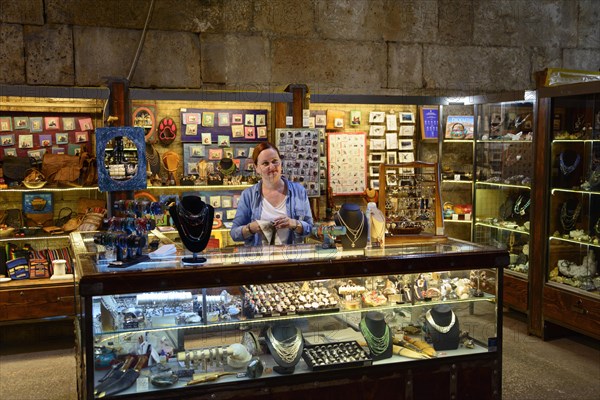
[(292, 321), (571, 286), (504, 164)]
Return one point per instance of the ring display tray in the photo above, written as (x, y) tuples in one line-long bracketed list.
[(336, 355)]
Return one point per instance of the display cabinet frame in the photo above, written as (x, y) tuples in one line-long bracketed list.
[(476, 375), (554, 307)]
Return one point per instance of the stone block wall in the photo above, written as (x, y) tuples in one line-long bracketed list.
[(395, 47)]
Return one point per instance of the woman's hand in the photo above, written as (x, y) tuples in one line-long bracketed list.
[(285, 222)]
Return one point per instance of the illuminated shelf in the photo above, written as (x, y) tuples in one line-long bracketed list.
[(454, 181), (576, 141), (499, 184), (203, 187), (459, 141), (503, 228), (503, 141), (561, 239), (460, 221), (49, 189), (581, 191)]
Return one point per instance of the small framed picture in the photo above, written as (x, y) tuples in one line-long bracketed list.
[(355, 118), (191, 129), (376, 158), (391, 157), (86, 124), (10, 151), (208, 119), (62, 138), (261, 119), (321, 119), (25, 141), (373, 170), (376, 130), (206, 138), (223, 119), (215, 201), (391, 123), (241, 153), (8, 140), (338, 122), (230, 214), (261, 132), (407, 130), (74, 149), (249, 132), (68, 123), (376, 117), (228, 152), (374, 184), (197, 151), (223, 141), (377, 144), (5, 124), (36, 154), (45, 140), (226, 201), (192, 118), (237, 131), (236, 200), (391, 140), (406, 145), (21, 122), (249, 119), (58, 150), (81, 137), (215, 154), (407, 118), (36, 124), (38, 203), (52, 123), (237, 119), (192, 168), (406, 157)]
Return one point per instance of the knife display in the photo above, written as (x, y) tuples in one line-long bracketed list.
[(113, 375), (126, 380), (209, 377)]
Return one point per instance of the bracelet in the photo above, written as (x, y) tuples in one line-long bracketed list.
[(249, 230)]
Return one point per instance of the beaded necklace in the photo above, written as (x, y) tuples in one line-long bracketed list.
[(377, 345), (440, 329), (569, 218), (286, 349), (521, 210), (567, 169), (188, 219)]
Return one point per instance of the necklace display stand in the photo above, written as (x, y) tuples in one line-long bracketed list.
[(442, 325), (377, 334), (570, 169), (354, 220), (193, 219), (285, 343)]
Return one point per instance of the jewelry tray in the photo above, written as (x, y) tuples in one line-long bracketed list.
[(352, 345)]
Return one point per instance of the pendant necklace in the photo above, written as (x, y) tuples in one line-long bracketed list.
[(568, 218), (567, 169), (286, 349), (440, 329), (356, 233), (521, 210), (187, 219), (378, 345)]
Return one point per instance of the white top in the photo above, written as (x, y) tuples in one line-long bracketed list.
[(270, 212)]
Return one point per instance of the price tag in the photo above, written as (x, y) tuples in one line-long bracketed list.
[(141, 384), (457, 177), (467, 216), (289, 121)]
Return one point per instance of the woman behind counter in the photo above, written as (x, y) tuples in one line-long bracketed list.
[(273, 204)]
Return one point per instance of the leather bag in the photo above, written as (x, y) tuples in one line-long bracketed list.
[(61, 168), (15, 168)]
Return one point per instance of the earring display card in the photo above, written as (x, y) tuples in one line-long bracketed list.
[(347, 162), (299, 150), (238, 125)]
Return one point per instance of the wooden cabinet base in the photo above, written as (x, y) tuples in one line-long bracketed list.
[(516, 293), (572, 311), (30, 300)]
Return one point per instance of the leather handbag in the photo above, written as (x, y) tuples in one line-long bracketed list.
[(59, 168), (15, 168)]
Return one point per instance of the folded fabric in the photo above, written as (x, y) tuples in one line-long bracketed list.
[(18, 268), (164, 251)]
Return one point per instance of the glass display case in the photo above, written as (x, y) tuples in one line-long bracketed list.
[(257, 321), (571, 288), (504, 164)]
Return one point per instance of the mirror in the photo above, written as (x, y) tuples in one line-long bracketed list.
[(121, 155), (143, 117)]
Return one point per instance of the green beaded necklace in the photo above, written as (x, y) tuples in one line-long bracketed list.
[(377, 345)]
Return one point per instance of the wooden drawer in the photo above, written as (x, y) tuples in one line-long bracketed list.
[(36, 302), (516, 293), (579, 313)]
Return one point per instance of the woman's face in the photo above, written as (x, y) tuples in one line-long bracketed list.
[(269, 165)]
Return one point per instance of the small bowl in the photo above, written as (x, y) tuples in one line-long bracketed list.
[(34, 185)]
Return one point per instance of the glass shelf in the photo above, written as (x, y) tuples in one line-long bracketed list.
[(460, 221), (504, 141), (579, 242), (459, 141), (580, 191), (211, 188), (31, 238), (49, 189), (455, 181), (522, 231), (498, 184), (576, 141)]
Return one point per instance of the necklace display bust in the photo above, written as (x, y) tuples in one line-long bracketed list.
[(285, 343), (193, 219), (377, 334), (354, 220), (442, 326), (570, 168)]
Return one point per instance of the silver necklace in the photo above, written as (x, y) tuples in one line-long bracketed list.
[(286, 349), (440, 329), (567, 169), (378, 345), (356, 233), (521, 210)]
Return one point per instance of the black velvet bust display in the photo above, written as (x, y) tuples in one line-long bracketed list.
[(567, 177), (284, 333), (193, 219), (375, 323), (442, 317), (351, 216)]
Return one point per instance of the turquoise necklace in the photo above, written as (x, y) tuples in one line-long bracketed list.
[(377, 345)]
